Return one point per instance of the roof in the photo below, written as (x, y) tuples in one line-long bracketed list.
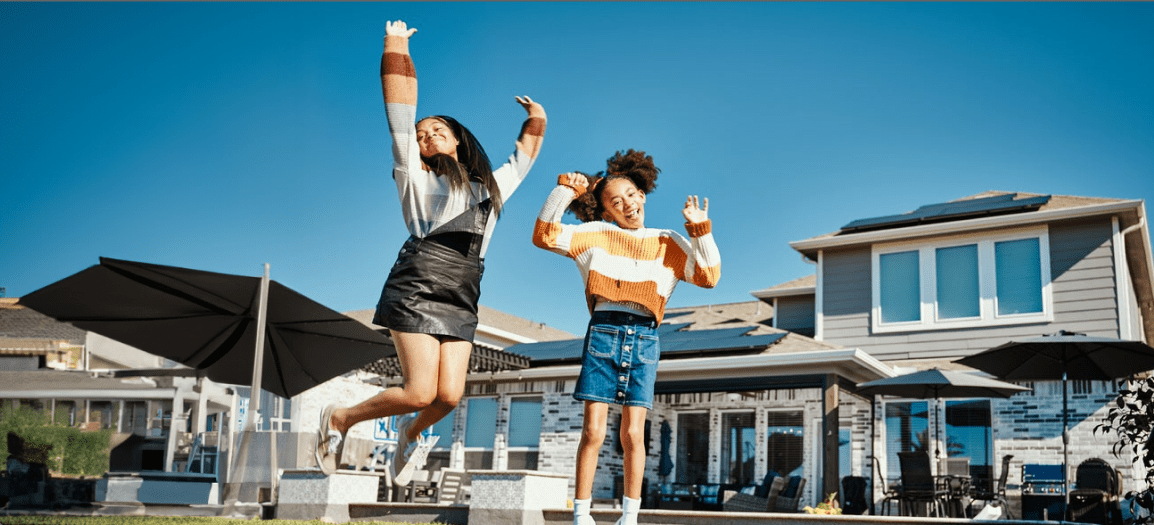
[(801, 286), (694, 332), (1131, 215), (20, 323), (1056, 207)]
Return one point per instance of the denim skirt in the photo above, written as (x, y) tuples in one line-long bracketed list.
[(619, 363), (433, 289)]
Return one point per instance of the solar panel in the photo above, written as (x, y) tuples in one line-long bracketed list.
[(957, 210), (672, 344)]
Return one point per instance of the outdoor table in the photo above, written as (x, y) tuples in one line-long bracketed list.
[(957, 489)]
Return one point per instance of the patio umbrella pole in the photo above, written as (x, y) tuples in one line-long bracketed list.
[(240, 459), (1065, 447)]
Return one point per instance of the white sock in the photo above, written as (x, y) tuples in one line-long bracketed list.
[(629, 508), (581, 511)]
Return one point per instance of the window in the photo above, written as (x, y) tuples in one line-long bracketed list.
[(786, 443), (969, 434), (959, 282), (907, 430), (524, 432), (480, 432), (275, 411), (738, 447), (692, 447)]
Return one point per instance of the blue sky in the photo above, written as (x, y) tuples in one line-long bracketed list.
[(220, 136)]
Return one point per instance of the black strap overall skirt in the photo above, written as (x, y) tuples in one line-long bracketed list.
[(434, 286)]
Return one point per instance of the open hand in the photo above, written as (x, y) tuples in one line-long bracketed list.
[(399, 28), (694, 213), (532, 108)]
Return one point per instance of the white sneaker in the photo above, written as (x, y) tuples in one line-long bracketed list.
[(330, 443), (405, 464)]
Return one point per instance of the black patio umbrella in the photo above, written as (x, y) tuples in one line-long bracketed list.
[(1064, 355), (936, 384), (209, 321)]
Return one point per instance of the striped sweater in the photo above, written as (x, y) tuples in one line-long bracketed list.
[(427, 201), (640, 266)]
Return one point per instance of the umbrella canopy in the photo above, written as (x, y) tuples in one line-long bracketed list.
[(208, 321), (934, 383), (1063, 356), (1068, 354)]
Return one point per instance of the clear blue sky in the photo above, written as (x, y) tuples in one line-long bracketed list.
[(220, 136)]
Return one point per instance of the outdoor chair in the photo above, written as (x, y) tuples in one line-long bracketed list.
[(993, 491), (453, 486), (853, 495), (1096, 493), (735, 501), (918, 485), (889, 492), (790, 496)]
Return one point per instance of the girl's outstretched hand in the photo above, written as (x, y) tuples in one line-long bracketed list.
[(399, 28), (694, 213), (532, 108)]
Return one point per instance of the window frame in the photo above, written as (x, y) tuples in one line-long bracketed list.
[(536, 448), (987, 282)]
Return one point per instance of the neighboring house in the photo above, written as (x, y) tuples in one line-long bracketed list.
[(922, 289), (68, 373)]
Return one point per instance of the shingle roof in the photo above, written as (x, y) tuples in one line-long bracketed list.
[(794, 287), (18, 322)]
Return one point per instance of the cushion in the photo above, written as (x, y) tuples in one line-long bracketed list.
[(763, 489), (790, 490)]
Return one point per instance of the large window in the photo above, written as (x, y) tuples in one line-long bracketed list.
[(962, 282), (524, 432), (738, 447), (969, 434), (786, 443), (276, 411), (692, 447), (480, 432), (907, 430)]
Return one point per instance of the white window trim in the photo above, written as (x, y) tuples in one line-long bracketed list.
[(986, 282)]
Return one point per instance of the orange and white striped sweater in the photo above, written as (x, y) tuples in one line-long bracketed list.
[(639, 266)]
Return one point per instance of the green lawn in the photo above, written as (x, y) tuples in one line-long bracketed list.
[(151, 520)]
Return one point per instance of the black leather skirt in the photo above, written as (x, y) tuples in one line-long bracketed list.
[(433, 287)]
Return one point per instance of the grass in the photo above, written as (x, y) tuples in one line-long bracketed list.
[(153, 520)]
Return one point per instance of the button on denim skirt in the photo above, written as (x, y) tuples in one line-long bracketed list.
[(619, 363)]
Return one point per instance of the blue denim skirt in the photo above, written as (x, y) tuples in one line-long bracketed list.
[(619, 363)]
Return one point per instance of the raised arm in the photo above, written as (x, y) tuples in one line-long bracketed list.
[(703, 266), (549, 233), (533, 130), (398, 77)]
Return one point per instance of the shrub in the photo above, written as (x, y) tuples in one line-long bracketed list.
[(1132, 419), (65, 449)]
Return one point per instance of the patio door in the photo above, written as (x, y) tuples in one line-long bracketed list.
[(738, 447), (907, 428), (969, 434), (692, 447)]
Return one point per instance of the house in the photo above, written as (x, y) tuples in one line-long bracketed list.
[(924, 288)]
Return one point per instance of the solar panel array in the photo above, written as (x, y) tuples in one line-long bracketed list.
[(674, 343), (964, 209)]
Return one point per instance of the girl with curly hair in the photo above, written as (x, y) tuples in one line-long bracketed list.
[(629, 273), (451, 198)]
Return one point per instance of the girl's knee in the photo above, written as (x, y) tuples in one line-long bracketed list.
[(632, 438), (420, 398)]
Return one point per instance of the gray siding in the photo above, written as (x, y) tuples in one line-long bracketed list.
[(1084, 299), (795, 314)]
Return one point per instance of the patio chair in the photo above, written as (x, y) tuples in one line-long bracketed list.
[(790, 496), (735, 501), (918, 485), (453, 487), (853, 495), (889, 492), (1096, 493), (993, 491)]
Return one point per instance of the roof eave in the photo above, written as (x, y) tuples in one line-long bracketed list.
[(771, 293), (810, 246)]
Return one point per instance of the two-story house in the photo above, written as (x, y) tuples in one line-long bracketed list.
[(924, 288)]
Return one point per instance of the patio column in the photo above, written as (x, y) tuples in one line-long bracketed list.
[(829, 439)]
